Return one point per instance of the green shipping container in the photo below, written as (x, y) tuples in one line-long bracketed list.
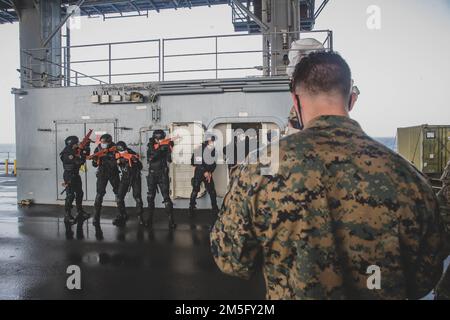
[(427, 147)]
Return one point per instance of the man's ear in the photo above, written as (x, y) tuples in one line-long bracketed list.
[(294, 98), (353, 99)]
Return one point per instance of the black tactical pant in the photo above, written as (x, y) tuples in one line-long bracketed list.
[(155, 179), (133, 182), (103, 177), (210, 188), (74, 190)]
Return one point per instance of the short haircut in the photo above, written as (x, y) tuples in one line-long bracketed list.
[(323, 72)]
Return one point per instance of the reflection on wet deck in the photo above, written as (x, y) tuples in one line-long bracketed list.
[(128, 263), (132, 262)]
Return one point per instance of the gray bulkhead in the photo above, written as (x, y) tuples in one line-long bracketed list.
[(45, 116)]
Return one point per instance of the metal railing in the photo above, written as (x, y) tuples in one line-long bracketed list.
[(7, 163), (214, 57)]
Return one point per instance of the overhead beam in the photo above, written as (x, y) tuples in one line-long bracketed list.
[(154, 5), (8, 3), (117, 9), (241, 6), (85, 12), (8, 14), (98, 11), (320, 9), (134, 6), (6, 20)]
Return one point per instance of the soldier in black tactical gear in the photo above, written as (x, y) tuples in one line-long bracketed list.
[(205, 164), (158, 156), (130, 166), (106, 171), (72, 160)]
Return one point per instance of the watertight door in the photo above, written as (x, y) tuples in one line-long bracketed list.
[(181, 171), (63, 130)]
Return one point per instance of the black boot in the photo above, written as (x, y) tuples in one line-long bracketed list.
[(149, 223), (169, 209), (96, 220), (191, 212), (80, 233), (69, 220), (192, 204), (140, 210), (141, 220), (172, 224), (120, 220), (82, 215), (98, 232), (69, 232)]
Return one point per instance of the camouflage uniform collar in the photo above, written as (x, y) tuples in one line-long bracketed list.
[(324, 122)]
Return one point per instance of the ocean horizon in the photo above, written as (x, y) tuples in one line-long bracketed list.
[(7, 151)]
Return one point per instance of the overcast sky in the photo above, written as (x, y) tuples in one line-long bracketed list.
[(402, 70)]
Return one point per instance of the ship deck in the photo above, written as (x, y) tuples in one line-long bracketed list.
[(129, 263)]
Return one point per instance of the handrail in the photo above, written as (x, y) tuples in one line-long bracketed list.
[(163, 57)]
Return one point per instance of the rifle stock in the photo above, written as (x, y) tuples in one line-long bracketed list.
[(165, 142), (100, 154), (127, 156)]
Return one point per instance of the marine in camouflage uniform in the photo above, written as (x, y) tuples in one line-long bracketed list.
[(443, 288), (339, 203), (444, 194)]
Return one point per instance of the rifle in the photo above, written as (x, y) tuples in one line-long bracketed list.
[(165, 142), (127, 156), (66, 185), (84, 143), (103, 152)]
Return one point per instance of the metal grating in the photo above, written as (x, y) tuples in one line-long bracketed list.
[(112, 9)]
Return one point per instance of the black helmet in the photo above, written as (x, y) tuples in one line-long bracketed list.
[(107, 137), (159, 134), (210, 136), (71, 141), (121, 146)]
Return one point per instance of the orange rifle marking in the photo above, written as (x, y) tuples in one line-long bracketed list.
[(127, 156)]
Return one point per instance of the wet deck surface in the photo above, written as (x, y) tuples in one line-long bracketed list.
[(129, 263)]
